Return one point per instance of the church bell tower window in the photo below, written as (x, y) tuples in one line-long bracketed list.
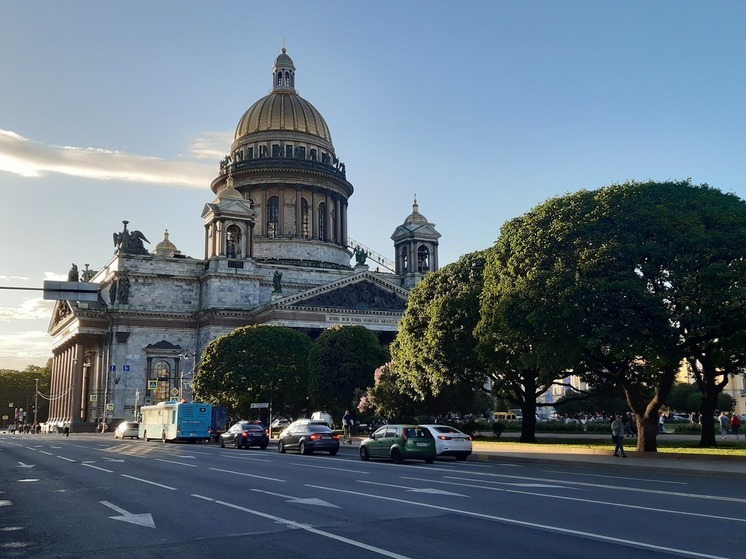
[(423, 259)]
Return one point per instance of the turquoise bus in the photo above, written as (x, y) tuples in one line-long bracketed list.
[(176, 421)]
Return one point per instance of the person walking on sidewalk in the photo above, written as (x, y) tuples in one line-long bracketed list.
[(724, 422), (617, 436), (347, 427), (735, 424)]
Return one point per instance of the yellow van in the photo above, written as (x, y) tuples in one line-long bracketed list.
[(505, 416)]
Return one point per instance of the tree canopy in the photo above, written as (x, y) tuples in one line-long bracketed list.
[(255, 364), (341, 360)]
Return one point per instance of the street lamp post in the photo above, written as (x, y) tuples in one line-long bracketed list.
[(36, 402), (137, 401)]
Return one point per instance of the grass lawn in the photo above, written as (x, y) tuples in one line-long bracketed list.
[(724, 448)]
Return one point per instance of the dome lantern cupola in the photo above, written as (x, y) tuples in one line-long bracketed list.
[(283, 72)]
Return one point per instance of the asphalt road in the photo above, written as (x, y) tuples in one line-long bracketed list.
[(91, 496)]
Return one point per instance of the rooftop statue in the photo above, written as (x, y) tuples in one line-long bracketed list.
[(130, 242)]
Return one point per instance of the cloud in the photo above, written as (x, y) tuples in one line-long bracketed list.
[(27, 158), (24, 347), (9, 279), (29, 309), (210, 145)]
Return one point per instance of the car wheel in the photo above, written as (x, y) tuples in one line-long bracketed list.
[(222, 443), (302, 448), (429, 460), (333, 452), (263, 447), (281, 447), (364, 455), (396, 456), (236, 443)]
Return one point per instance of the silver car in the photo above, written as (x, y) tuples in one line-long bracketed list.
[(449, 441)]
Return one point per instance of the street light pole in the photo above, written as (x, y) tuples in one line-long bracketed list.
[(137, 401), (36, 402)]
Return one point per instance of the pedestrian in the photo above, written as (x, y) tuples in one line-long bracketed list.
[(661, 426), (617, 436), (66, 429), (724, 422), (735, 424), (347, 427)]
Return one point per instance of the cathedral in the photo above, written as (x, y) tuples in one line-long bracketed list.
[(276, 251)]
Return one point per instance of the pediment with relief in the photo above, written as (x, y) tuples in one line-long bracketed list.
[(363, 294)]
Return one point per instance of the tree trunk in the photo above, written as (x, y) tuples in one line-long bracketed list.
[(528, 424), (707, 419), (647, 432)]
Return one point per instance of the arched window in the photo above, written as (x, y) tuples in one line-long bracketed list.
[(273, 217), (161, 372), (304, 219), (322, 221), (404, 260), (423, 259), (233, 240)]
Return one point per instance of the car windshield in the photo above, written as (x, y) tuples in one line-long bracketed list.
[(446, 430), (253, 427)]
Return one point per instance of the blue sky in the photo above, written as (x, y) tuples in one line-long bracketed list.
[(484, 109)]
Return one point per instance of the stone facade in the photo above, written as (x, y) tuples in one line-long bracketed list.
[(276, 252)]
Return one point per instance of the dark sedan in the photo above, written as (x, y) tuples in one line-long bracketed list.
[(245, 434), (307, 438)]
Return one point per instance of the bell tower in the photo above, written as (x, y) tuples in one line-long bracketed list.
[(415, 247)]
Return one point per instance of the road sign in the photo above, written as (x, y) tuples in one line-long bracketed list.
[(70, 291), (174, 392), (126, 368), (152, 384), (259, 405), (112, 368), (110, 407), (94, 397)]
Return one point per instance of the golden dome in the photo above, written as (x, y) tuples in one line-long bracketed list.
[(415, 217), (283, 109), (166, 247)]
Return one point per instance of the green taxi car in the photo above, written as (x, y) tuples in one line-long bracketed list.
[(399, 443)]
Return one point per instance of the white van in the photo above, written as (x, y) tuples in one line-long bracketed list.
[(323, 416)]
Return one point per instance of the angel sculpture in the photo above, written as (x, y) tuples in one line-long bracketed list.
[(130, 242)]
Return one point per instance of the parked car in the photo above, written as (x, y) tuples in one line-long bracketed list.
[(245, 434), (399, 442), (307, 436), (323, 416), (129, 429), (449, 441), (280, 423)]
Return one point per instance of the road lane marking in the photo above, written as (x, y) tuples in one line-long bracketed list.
[(47, 453), (149, 482), (414, 489), (648, 480), (582, 500), (249, 458), (328, 468), (542, 527), (97, 468), (299, 500), (142, 519), (312, 530), (175, 462), (247, 475), (605, 486), (68, 459)]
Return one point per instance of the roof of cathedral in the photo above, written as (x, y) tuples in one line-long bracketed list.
[(283, 109)]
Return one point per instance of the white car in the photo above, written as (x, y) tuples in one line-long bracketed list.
[(449, 441), (129, 429)]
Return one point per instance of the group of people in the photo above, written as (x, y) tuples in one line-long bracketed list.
[(733, 421), (25, 428)]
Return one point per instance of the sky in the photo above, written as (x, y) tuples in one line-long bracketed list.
[(113, 111)]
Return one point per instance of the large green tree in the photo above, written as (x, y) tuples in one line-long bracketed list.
[(255, 364), (435, 349), (19, 389), (343, 359), (643, 276)]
